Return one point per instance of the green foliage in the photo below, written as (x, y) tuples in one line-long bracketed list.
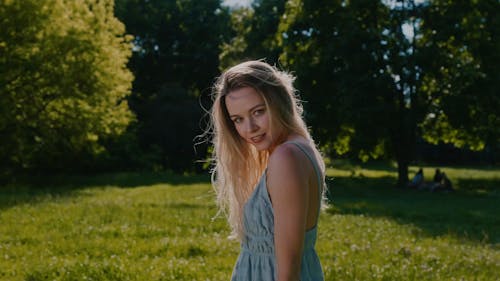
[(253, 33), (175, 60), (342, 55), (460, 58), (63, 80), (161, 227), (370, 90), (373, 91)]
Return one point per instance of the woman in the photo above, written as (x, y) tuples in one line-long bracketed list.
[(268, 175)]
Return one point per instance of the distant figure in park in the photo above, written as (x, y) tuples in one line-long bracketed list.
[(441, 182), (438, 176), (268, 174), (446, 183), (436, 182), (418, 180)]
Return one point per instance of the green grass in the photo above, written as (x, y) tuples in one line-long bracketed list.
[(162, 227)]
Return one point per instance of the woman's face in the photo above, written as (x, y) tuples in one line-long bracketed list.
[(248, 112)]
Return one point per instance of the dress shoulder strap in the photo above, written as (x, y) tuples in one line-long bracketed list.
[(315, 166)]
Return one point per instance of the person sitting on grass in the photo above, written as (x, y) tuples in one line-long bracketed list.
[(436, 183), (444, 184), (418, 180)]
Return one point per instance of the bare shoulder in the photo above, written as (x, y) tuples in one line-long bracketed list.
[(285, 156), (286, 166)]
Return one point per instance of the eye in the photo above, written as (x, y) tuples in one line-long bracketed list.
[(237, 120), (259, 112)]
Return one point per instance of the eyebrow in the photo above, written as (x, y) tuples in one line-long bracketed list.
[(251, 109)]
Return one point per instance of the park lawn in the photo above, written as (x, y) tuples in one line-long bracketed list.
[(164, 227)]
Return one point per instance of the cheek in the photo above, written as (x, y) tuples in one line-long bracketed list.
[(264, 121), (239, 129)]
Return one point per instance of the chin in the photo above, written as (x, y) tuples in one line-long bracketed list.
[(260, 147), (263, 146)]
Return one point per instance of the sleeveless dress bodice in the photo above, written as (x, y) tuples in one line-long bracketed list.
[(257, 261)]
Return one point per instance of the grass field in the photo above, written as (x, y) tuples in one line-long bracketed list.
[(163, 227)]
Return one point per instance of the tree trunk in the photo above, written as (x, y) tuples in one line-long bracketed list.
[(402, 172), (404, 145)]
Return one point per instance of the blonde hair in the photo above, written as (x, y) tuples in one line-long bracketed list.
[(238, 166)]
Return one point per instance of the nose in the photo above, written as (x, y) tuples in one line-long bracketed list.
[(251, 125)]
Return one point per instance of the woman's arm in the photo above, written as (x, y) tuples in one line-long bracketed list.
[(286, 181)]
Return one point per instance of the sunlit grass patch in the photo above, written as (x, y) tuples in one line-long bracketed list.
[(358, 247), (157, 232), (167, 229)]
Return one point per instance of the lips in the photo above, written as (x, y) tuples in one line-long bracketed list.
[(258, 138)]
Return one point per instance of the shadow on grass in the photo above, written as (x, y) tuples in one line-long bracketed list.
[(376, 165), (33, 189), (470, 213)]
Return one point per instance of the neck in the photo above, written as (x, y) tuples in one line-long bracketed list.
[(283, 138)]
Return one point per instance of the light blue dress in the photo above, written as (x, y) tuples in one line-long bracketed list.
[(257, 261)]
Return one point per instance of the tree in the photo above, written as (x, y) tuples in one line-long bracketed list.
[(254, 33), (175, 60), (460, 57), (63, 82), (347, 57), (373, 90)]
